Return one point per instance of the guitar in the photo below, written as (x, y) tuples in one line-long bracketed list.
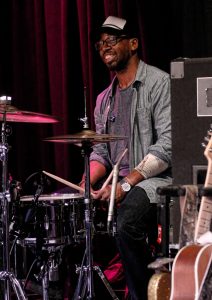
[(192, 262), (205, 212), (189, 271), (159, 286)]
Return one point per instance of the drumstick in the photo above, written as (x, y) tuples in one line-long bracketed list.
[(72, 185), (107, 180), (111, 173)]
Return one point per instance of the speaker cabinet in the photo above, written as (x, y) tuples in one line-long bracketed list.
[(191, 112)]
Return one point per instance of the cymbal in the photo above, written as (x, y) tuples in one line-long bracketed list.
[(12, 114), (85, 136)]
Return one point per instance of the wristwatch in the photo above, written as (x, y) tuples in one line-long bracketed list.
[(126, 187)]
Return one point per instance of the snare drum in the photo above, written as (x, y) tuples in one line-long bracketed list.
[(54, 220)]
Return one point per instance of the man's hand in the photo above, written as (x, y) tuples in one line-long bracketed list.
[(105, 193), (82, 185)]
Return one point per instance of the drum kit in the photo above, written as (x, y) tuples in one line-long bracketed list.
[(53, 219)]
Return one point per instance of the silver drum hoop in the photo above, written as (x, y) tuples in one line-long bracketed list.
[(51, 198)]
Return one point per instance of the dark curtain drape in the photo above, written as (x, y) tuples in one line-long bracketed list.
[(48, 65)]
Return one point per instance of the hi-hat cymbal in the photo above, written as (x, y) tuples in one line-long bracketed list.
[(85, 136), (12, 114)]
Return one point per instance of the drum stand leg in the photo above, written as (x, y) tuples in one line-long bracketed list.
[(85, 287), (15, 284), (45, 282), (6, 275), (43, 276), (84, 282), (49, 271)]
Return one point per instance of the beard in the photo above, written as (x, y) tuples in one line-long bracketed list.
[(117, 66), (119, 63)]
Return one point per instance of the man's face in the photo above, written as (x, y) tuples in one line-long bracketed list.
[(114, 51)]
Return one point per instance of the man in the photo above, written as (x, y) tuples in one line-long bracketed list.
[(135, 105)]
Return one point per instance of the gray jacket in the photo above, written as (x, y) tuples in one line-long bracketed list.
[(150, 124)]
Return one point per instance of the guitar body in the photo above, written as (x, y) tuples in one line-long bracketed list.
[(191, 264), (159, 287), (189, 270)]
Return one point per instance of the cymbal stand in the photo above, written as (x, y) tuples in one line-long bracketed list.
[(5, 274), (85, 286), (86, 273)]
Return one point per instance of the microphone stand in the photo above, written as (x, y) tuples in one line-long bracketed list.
[(113, 192), (112, 197)]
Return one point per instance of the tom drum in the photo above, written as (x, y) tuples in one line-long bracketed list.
[(54, 220)]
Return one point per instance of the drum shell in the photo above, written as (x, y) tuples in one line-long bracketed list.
[(55, 219)]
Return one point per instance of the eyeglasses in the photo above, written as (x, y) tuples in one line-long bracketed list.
[(111, 41)]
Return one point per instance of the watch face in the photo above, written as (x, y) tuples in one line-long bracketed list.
[(125, 186)]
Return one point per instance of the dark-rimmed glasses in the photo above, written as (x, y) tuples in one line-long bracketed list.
[(110, 41)]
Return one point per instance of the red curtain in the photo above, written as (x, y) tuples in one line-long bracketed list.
[(46, 61), (53, 69)]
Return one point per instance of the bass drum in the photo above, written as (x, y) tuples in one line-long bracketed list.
[(55, 219)]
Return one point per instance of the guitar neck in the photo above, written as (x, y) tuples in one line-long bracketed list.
[(205, 211)]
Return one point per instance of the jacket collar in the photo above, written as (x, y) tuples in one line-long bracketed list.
[(139, 78)]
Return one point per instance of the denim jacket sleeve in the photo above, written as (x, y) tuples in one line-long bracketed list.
[(151, 116), (161, 111), (151, 125)]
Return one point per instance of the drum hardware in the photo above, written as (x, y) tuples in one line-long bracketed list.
[(87, 134), (85, 285), (53, 264), (103, 278), (6, 274), (85, 119), (13, 114), (59, 219), (10, 113), (15, 188), (32, 215), (49, 271), (14, 226), (32, 212), (48, 261), (37, 178), (86, 139), (85, 281)]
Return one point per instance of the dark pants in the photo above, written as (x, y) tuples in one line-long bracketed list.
[(136, 221)]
